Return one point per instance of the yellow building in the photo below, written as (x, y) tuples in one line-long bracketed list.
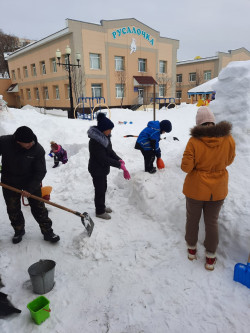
[(121, 60), (192, 73)]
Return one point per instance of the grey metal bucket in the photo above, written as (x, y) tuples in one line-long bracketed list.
[(42, 276)]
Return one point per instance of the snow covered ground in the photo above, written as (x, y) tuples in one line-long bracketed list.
[(132, 275)]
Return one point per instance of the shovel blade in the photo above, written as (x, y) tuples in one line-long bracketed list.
[(242, 274), (88, 223)]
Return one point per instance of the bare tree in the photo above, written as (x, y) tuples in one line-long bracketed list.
[(198, 79), (8, 43), (78, 82), (165, 80), (122, 78)]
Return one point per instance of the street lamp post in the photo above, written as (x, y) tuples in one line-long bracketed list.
[(68, 67)]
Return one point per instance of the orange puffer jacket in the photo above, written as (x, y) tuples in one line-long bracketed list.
[(208, 152)]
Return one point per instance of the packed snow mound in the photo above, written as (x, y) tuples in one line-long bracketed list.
[(232, 101)]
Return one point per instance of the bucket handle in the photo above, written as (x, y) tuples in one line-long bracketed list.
[(47, 310)]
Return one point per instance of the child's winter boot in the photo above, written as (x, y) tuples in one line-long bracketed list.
[(210, 261), (104, 216), (191, 252)]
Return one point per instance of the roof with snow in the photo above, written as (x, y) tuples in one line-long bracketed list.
[(204, 88)]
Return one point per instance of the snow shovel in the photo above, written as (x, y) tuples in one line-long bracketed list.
[(242, 273), (85, 218)]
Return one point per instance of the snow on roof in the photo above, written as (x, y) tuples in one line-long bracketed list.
[(204, 87)]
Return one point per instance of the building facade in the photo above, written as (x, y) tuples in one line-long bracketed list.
[(122, 61), (192, 73)]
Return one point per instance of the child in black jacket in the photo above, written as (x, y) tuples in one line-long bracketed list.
[(101, 158)]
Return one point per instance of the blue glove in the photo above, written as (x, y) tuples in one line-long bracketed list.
[(50, 154)]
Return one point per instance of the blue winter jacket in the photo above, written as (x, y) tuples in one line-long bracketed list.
[(149, 138)]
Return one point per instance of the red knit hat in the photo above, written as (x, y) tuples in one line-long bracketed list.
[(204, 115)]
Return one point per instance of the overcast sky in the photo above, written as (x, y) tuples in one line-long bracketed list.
[(202, 27)]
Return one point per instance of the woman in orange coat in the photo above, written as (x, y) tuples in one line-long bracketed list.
[(208, 152)]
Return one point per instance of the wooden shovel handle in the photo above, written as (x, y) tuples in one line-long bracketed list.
[(8, 187), (249, 259)]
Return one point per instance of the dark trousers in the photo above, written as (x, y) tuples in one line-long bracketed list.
[(56, 160), (211, 210), (100, 185), (149, 157), (38, 210)]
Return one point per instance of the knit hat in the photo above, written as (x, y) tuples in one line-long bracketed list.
[(103, 123), (166, 126), (24, 134), (204, 115)]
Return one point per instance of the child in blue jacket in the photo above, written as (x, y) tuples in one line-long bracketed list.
[(148, 142), (59, 154)]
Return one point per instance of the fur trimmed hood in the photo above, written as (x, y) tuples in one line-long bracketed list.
[(219, 130)]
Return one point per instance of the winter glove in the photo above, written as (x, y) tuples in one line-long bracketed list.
[(160, 163), (126, 174), (50, 154)]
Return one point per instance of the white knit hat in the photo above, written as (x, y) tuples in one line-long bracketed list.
[(204, 115)]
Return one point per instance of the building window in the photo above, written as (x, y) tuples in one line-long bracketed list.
[(21, 92), (119, 90), (56, 92), (96, 90), (25, 71), (192, 77), (119, 63), (162, 66), (54, 67), (178, 94), (43, 67), (162, 90), (142, 65), (13, 74), (207, 75), (179, 78), (66, 90), (19, 73), (33, 69), (28, 93), (46, 92), (37, 93), (95, 61)]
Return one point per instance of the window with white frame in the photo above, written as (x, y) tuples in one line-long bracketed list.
[(33, 69), (37, 94), (13, 74), (95, 61), (28, 93), (43, 68), (54, 67), (178, 94), (119, 90), (96, 90), (142, 65), (179, 78), (207, 75), (25, 71), (162, 66), (57, 94), (192, 77), (67, 91), (119, 63), (46, 92), (19, 73), (162, 90)]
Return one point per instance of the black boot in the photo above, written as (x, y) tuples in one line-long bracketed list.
[(18, 236), (51, 237)]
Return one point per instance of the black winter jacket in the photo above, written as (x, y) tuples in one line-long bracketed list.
[(22, 168), (102, 156)]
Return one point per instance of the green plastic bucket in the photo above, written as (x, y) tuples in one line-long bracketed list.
[(39, 309)]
